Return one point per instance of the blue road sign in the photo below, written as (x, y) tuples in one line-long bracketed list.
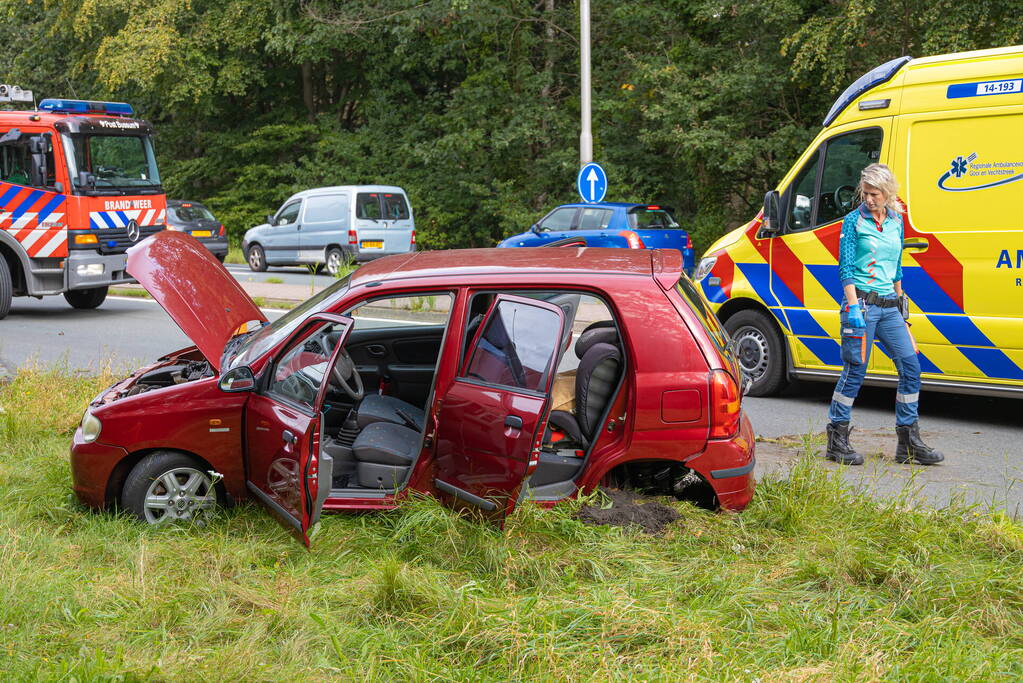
[(591, 183)]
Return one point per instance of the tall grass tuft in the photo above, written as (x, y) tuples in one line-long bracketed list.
[(816, 580)]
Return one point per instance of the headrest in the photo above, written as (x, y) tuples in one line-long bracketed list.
[(595, 335)]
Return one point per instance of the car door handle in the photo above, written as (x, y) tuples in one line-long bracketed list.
[(376, 350), (288, 436), (918, 244), (513, 421)]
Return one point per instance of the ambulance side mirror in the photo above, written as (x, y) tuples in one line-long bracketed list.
[(772, 214)]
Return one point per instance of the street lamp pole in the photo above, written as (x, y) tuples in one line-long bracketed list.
[(585, 136)]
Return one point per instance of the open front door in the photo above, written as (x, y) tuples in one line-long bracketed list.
[(284, 467), (490, 422)]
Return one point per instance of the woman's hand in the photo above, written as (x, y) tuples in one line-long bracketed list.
[(855, 316)]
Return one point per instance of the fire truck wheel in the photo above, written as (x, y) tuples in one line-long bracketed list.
[(86, 298), (5, 288), (256, 258), (761, 351)]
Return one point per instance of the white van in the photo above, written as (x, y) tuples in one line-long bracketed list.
[(333, 226)]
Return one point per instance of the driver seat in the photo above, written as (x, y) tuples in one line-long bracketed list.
[(380, 408)]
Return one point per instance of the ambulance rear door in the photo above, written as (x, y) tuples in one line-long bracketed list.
[(963, 255)]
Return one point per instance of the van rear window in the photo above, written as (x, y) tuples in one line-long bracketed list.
[(699, 305), (395, 207)]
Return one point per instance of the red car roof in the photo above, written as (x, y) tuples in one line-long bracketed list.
[(664, 264)]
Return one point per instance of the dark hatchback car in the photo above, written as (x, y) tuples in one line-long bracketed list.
[(538, 373), (198, 221)]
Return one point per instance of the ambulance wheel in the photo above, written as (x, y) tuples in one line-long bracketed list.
[(760, 349), (256, 258), (6, 291), (86, 298)]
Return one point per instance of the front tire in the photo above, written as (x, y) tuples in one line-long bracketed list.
[(761, 351), (167, 487), (6, 288), (256, 258), (84, 299)]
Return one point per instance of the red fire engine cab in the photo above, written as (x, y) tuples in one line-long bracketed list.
[(78, 186)]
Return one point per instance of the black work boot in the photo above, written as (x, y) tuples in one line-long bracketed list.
[(839, 449), (911, 447)]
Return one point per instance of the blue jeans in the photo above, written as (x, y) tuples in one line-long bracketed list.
[(887, 325)]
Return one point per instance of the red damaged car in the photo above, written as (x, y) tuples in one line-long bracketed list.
[(484, 377)]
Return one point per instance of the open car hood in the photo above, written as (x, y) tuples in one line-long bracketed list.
[(196, 291)]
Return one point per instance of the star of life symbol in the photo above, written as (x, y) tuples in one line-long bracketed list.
[(961, 165)]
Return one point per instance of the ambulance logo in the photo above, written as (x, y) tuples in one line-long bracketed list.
[(966, 174)]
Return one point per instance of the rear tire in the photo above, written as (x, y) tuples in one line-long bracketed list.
[(761, 351), (6, 288), (337, 260), (167, 487), (84, 299), (256, 258)]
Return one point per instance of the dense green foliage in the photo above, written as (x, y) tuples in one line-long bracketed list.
[(813, 582), (473, 106)]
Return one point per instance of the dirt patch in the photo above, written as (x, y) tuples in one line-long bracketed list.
[(629, 509)]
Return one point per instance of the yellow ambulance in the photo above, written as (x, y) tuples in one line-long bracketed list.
[(951, 129)]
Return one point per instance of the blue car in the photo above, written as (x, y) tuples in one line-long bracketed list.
[(609, 224)]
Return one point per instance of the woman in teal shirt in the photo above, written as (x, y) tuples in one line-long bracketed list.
[(870, 267)]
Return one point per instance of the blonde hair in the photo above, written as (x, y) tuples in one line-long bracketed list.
[(881, 177)]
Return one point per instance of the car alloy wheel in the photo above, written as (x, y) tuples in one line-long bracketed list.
[(182, 493), (335, 262)]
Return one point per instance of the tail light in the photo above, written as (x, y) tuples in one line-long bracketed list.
[(221, 232), (413, 238), (353, 238), (633, 239), (689, 241), (725, 405)]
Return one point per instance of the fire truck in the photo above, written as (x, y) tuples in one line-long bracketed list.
[(78, 186)]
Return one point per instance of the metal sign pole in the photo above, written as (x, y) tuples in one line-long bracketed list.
[(586, 136)]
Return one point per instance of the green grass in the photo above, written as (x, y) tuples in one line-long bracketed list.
[(234, 254), (814, 581), (136, 292), (274, 280)]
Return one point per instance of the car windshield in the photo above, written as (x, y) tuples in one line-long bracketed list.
[(270, 335), (651, 218), (116, 161), (192, 212)]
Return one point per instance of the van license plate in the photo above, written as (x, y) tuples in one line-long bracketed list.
[(372, 245), (201, 233)]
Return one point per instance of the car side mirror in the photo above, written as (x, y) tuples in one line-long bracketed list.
[(772, 214), (269, 219), (237, 380), (535, 228)]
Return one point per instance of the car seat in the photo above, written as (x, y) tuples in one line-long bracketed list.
[(384, 452), (600, 364), (379, 408)]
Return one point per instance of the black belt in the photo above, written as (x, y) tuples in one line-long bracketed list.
[(875, 299)]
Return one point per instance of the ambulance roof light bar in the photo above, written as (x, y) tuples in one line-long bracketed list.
[(871, 79), (14, 93), (58, 106)]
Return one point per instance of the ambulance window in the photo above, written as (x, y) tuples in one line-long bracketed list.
[(844, 158), (801, 213)]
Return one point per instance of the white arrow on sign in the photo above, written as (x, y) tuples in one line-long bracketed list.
[(592, 179)]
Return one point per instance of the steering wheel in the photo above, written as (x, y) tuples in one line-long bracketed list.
[(844, 195), (346, 376)]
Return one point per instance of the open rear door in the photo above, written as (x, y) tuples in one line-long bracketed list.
[(490, 422), (284, 467)]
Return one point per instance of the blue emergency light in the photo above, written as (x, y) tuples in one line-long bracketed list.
[(86, 107)]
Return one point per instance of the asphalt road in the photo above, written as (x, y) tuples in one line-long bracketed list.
[(980, 437), (291, 275)]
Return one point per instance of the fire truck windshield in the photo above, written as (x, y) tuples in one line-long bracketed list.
[(101, 163)]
